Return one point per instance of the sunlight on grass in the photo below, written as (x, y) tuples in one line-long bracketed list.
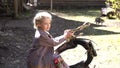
[(80, 18), (72, 58), (79, 15), (113, 29), (108, 48), (107, 39)]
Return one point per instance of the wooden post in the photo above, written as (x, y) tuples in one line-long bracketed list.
[(51, 5), (20, 6), (15, 8)]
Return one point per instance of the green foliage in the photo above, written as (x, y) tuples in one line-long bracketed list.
[(115, 4)]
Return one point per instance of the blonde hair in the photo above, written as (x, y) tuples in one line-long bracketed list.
[(39, 17)]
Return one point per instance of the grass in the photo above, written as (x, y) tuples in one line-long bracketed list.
[(79, 14), (106, 38)]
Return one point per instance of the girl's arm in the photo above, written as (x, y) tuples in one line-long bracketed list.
[(47, 41)]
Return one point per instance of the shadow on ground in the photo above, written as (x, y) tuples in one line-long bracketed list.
[(60, 24), (16, 38)]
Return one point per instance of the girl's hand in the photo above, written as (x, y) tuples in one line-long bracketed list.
[(68, 33)]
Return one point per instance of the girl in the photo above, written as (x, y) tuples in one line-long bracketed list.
[(41, 54)]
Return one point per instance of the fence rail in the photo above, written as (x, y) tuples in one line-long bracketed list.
[(79, 3)]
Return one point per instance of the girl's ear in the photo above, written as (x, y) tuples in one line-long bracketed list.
[(38, 25)]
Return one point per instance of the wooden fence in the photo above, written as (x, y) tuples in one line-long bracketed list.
[(11, 7), (74, 3), (17, 6)]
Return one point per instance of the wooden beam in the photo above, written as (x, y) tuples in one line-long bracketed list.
[(51, 5), (15, 8)]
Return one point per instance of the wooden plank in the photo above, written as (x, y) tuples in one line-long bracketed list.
[(73, 2), (16, 7)]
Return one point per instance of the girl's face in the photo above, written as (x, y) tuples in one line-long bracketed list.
[(45, 25)]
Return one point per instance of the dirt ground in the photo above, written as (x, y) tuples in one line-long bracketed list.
[(16, 38)]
